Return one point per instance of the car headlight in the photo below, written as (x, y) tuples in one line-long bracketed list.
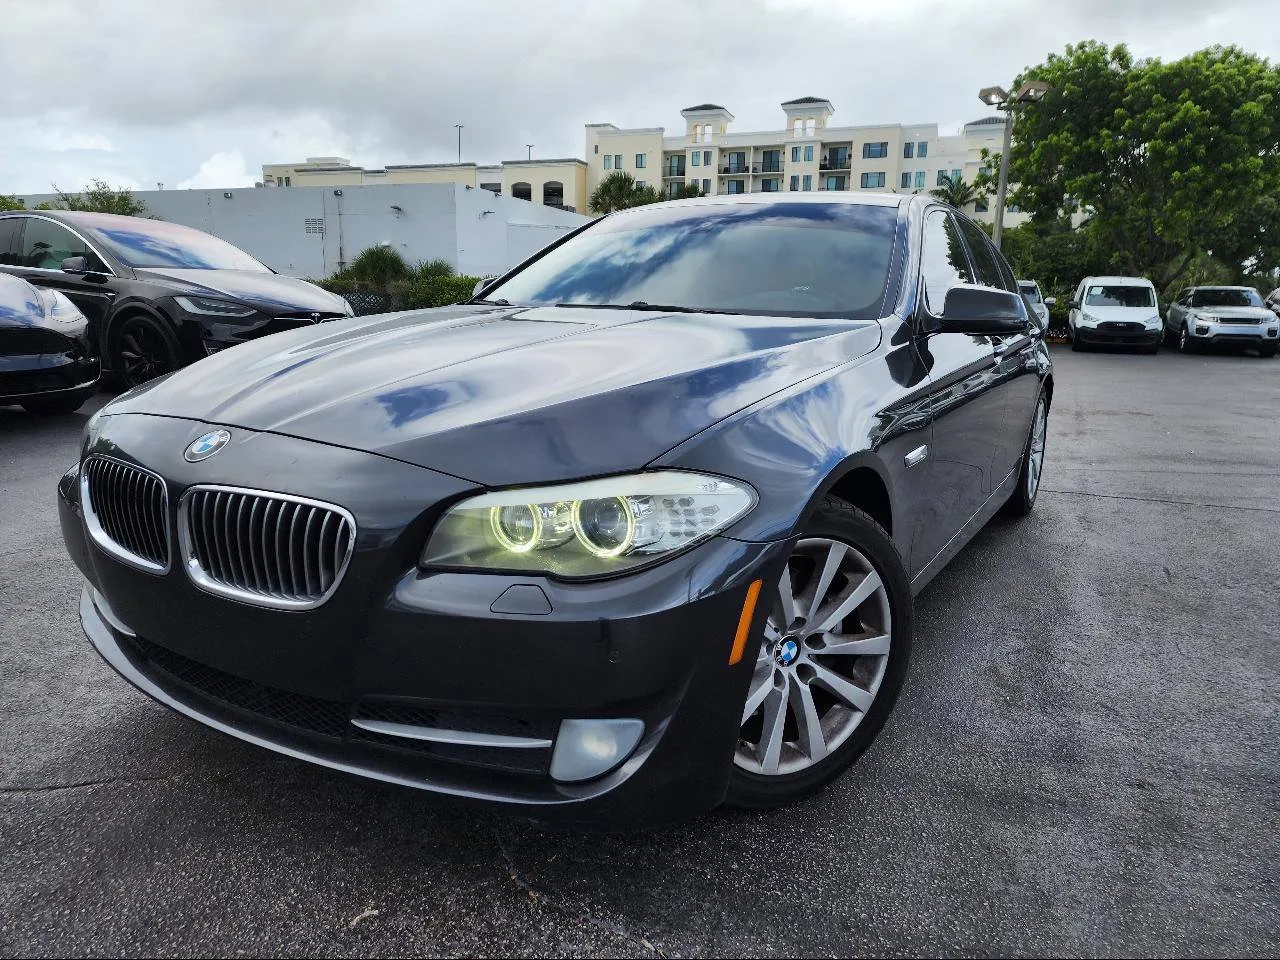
[(1087, 320), (587, 529), (60, 308), (1204, 317), (210, 307), (1154, 321)]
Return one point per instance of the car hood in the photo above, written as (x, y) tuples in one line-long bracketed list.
[(505, 395), (1235, 313), (267, 291), (1119, 314)]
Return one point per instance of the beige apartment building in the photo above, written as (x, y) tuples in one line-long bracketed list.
[(555, 183), (807, 153)]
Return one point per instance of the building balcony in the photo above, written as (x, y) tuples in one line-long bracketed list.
[(771, 166), (738, 169), (835, 163), (670, 172)]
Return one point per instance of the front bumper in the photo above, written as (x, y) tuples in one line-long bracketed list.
[(41, 363), (397, 643), (1119, 334), (1242, 334)]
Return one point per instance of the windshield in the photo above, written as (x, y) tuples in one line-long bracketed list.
[(1225, 297), (1117, 296), (826, 260), (1029, 290), (154, 243)]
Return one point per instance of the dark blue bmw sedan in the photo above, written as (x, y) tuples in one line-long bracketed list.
[(633, 533)]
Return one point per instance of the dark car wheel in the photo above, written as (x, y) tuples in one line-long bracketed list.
[(834, 654), (1023, 499), (54, 406), (1185, 343), (1077, 346), (143, 349)]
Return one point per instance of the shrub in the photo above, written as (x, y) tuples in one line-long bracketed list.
[(411, 293), (375, 267)]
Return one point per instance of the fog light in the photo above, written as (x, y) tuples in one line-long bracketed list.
[(1271, 332), (1201, 331), (590, 748)]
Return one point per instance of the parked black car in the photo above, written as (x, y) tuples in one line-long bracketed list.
[(635, 533), (47, 363), (158, 295)]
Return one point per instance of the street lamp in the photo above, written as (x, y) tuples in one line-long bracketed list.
[(530, 147), (459, 129), (1030, 92)]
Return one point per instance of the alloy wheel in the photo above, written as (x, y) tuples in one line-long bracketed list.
[(825, 651), (144, 353), (1035, 456)]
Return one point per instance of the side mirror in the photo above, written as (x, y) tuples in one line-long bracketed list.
[(480, 285), (1074, 304), (1050, 301), (983, 311), (75, 265)]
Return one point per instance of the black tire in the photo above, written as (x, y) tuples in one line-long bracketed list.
[(1152, 348), (1185, 343), (838, 520), (58, 406), (143, 348), (1023, 499), (1267, 350), (1076, 345)]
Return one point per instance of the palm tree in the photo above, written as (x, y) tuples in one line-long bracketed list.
[(956, 192), (617, 191)]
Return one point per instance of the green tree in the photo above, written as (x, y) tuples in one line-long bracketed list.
[(956, 192), (685, 191), (618, 191), (100, 197), (1168, 161), (9, 202)]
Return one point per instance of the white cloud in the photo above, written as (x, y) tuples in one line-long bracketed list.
[(225, 169)]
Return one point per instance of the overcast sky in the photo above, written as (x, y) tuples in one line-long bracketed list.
[(202, 94)]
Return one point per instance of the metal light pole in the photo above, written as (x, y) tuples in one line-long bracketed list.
[(458, 126), (997, 97), (530, 147)]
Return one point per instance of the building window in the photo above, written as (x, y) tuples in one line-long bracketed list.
[(608, 161), (595, 148), (553, 194), (769, 185), (922, 149), (522, 191), (908, 151), (706, 158), (871, 180), (795, 183), (697, 157), (706, 186), (735, 186), (808, 153), (875, 151), (1014, 208), (617, 161), (288, 181), (795, 154), (639, 184), (942, 178), (906, 180), (797, 128), (807, 182), (919, 179), (956, 175), (980, 206), (771, 161), (639, 161), (984, 171), (810, 127)]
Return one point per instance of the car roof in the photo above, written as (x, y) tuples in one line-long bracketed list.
[(1219, 286), (743, 199), (1121, 281)]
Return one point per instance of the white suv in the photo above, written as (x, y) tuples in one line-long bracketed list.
[(1115, 310)]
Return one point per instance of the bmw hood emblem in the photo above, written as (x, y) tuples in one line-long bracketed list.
[(202, 448)]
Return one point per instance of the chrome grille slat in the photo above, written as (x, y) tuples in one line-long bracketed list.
[(271, 549), (126, 510)]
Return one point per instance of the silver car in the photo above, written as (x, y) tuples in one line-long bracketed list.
[(1036, 304), (1234, 316)]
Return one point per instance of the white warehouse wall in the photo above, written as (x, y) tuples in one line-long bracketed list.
[(310, 231)]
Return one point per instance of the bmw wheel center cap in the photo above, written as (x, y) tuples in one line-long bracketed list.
[(787, 652), (202, 448)]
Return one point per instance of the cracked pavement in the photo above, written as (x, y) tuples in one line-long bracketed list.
[(1083, 760)]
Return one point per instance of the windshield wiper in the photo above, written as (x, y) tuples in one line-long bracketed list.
[(644, 305), (497, 303)]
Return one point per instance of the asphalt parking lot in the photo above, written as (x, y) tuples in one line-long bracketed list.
[(1083, 760)]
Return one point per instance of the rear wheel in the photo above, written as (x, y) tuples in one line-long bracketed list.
[(834, 654), (142, 349)]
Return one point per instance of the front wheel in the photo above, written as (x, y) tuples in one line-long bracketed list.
[(143, 348), (1185, 343), (1023, 499), (834, 654)]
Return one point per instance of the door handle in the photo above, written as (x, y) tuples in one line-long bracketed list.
[(917, 455)]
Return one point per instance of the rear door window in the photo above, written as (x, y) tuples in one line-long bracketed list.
[(10, 230)]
